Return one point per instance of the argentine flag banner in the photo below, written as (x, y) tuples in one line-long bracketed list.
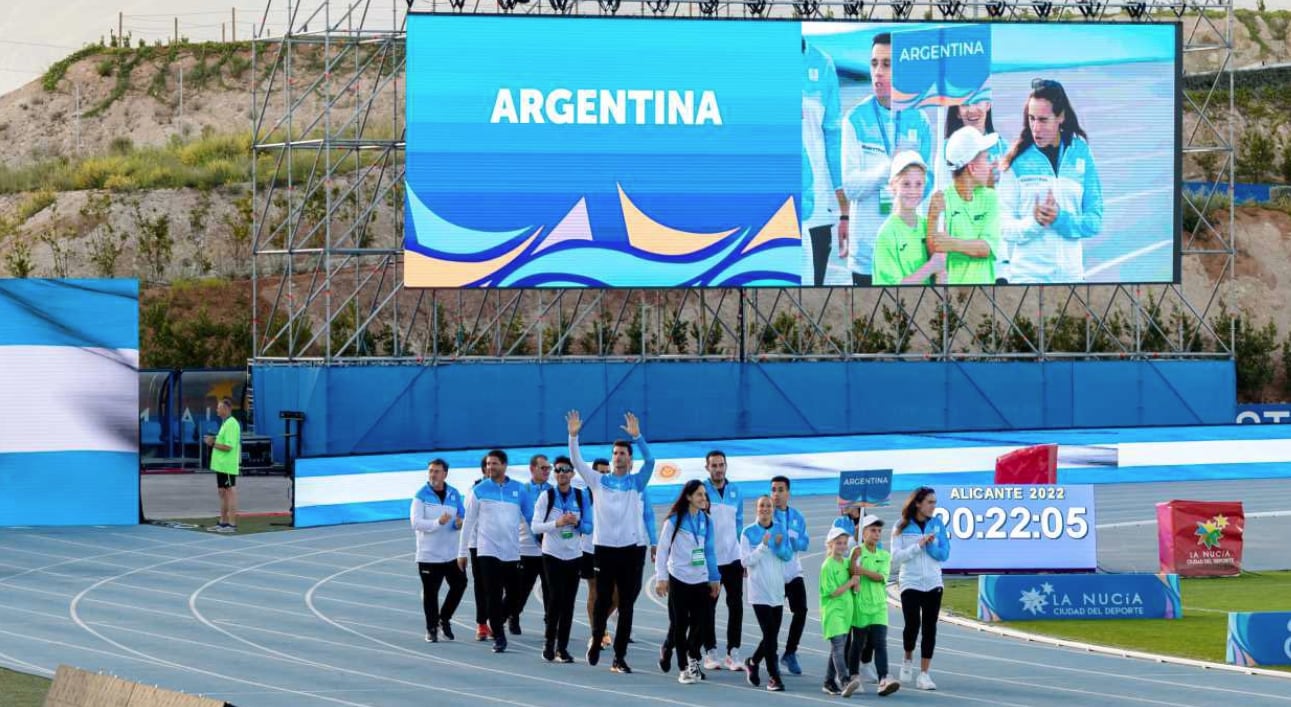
[(69, 425), (944, 66)]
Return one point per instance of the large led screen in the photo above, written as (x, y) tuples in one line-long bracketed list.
[(602, 152)]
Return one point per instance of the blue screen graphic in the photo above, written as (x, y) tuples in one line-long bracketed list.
[(601, 152)]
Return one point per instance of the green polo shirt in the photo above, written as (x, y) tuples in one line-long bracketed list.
[(899, 250), (972, 220), (872, 597), (230, 434), (835, 612)]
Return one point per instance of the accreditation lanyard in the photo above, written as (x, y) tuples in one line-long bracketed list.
[(562, 503), (883, 129), (697, 554)]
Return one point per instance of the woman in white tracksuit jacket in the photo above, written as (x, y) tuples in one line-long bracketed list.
[(686, 572), (1051, 198)]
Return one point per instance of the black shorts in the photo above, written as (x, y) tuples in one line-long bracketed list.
[(225, 481), (587, 567)]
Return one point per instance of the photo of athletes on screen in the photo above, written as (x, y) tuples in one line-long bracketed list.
[(971, 154)]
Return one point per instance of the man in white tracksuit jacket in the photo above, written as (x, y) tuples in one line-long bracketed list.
[(872, 134), (824, 206)]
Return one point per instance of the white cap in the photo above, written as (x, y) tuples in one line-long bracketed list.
[(906, 158), (834, 533), (966, 144), (869, 520)]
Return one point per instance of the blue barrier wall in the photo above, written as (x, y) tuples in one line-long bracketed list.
[(1241, 192), (375, 409)]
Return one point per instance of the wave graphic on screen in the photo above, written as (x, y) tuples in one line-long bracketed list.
[(556, 255)]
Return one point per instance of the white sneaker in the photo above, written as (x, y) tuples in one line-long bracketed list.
[(733, 661), (710, 661), (924, 682), (852, 687), (888, 686), (869, 673), (907, 673), (689, 676)]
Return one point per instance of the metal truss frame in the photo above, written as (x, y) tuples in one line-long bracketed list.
[(327, 122)]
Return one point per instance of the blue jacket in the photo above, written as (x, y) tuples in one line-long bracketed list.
[(795, 526), (1052, 254), (822, 168)]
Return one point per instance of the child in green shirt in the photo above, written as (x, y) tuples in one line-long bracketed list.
[(836, 606), (872, 565), (900, 249), (971, 234)]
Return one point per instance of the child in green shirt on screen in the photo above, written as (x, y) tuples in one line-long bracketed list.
[(900, 249)]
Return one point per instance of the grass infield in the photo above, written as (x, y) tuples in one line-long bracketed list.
[(1201, 633), (21, 689)]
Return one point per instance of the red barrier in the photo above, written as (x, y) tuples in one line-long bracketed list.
[(1032, 465), (1200, 538)]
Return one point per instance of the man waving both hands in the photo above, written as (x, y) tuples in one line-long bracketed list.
[(619, 494)]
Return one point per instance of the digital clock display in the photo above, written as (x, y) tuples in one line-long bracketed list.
[(1019, 527)]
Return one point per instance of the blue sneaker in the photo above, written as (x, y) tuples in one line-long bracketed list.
[(790, 663)]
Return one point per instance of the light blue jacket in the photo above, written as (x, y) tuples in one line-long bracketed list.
[(618, 497), (872, 134), (727, 510), (764, 564), (681, 537), (529, 540), (1053, 254), (821, 140), (795, 526), (919, 566), (494, 512)]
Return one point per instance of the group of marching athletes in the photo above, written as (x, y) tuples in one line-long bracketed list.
[(594, 523)]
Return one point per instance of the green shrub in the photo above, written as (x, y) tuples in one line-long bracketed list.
[(58, 70)]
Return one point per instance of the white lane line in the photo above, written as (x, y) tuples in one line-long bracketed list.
[(74, 612), (309, 601), (1136, 195), (23, 665), (196, 613), (1092, 272), (1114, 652)]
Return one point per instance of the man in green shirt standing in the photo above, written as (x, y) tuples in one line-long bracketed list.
[(226, 455)]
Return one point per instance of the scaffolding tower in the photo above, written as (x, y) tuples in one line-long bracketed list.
[(327, 239)]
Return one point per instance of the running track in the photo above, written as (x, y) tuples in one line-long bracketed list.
[(331, 616)]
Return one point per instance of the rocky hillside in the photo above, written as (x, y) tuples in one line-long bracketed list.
[(153, 178)]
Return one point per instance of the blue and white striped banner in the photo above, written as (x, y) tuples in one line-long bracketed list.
[(69, 426)]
